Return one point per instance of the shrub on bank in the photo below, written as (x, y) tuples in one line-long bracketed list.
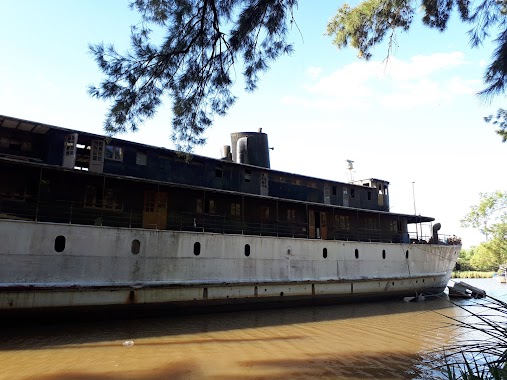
[(483, 356), (471, 274)]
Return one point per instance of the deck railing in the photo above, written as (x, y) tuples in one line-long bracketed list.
[(71, 212)]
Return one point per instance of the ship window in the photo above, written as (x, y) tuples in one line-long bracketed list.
[(97, 150), (291, 215), (369, 195), (90, 196), (324, 253), (23, 146), (135, 247), (141, 158), (211, 208), (342, 222), (197, 248), (352, 193), (16, 145), (219, 172), (111, 200), (264, 212), (114, 153), (26, 146), (264, 180), (198, 206), (406, 254), (247, 250), (70, 145), (235, 209), (356, 252), (248, 175), (149, 201), (60, 243), (334, 190), (383, 253)]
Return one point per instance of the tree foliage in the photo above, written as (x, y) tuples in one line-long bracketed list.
[(500, 121), (367, 24), (465, 255), (194, 62), (489, 214), (490, 218)]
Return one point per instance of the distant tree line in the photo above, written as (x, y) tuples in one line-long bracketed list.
[(490, 218)]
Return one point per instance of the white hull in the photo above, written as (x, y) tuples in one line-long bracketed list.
[(97, 267)]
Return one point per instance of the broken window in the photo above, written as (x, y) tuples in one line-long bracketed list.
[(114, 153), (248, 175)]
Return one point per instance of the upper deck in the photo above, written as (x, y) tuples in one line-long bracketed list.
[(42, 144)]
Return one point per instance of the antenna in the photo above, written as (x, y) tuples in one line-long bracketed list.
[(350, 168)]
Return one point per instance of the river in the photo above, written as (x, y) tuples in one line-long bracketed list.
[(376, 340)]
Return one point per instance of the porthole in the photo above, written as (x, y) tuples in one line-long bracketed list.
[(60, 243), (357, 253), (247, 250), (406, 254), (324, 253), (384, 254), (197, 248), (135, 247)]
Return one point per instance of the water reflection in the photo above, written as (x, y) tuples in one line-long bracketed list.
[(387, 340)]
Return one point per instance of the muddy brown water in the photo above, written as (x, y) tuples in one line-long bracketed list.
[(375, 340)]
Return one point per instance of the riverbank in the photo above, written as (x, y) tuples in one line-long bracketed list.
[(472, 274)]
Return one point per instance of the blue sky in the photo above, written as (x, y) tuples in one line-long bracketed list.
[(413, 119)]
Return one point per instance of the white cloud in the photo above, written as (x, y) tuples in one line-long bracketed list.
[(422, 66), (420, 81), (327, 104), (313, 72)]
